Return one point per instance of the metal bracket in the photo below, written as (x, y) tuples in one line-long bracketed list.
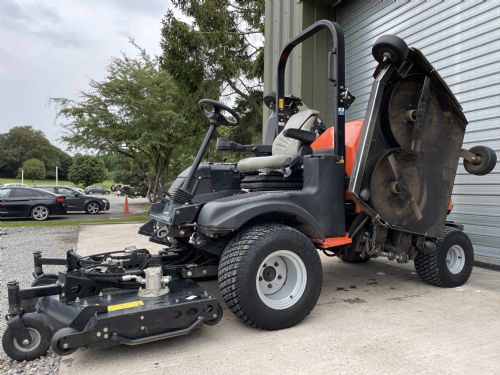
[(21, 334), (346, 98), (469, 156)]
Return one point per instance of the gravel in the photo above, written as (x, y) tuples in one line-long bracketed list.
[(16, 263)]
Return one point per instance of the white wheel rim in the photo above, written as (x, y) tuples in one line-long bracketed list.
[(35, 341), (281, 279), (93, 208), (40, 213), (455, 259)]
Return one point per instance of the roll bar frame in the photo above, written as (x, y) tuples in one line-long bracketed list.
[(336, 75)]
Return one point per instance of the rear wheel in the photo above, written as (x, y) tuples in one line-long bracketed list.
[(40, 212), (391, 47), (487, 160), (450, 264), (92, 208), (270, 276)]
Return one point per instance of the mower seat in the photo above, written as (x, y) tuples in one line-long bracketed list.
[(283, 147)]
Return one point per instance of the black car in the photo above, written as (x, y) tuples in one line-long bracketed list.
[(29, 202), (96, 189), (78, 201)]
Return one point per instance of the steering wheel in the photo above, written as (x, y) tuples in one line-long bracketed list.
[(215, 115)]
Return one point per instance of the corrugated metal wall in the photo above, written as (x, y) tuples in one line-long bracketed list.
[(462, 40)]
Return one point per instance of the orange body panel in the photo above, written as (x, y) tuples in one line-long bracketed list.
[(352, 135), (330, 242)]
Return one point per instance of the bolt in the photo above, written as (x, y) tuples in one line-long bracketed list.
[(65, 346), (177, 300), (214, 316), (264, 266), (98, 334), (143, 328), (190, 274), (291, 296), (269, 285), (77, 299), (275, 264), (105, 329), (142, 317), (204, 272), (279, 277), (108, 297), (100, 294), (106, 336), (25, 342)]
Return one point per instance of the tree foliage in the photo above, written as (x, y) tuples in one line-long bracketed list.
[(135, 112), (87, 170), (219, 52), (22, 143), (33, 169)]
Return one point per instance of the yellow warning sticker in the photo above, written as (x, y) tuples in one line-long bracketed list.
[(281, 103), (123, 306)]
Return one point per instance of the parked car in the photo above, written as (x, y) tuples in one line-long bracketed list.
[(96, 189), (77, 201), (30, 202)]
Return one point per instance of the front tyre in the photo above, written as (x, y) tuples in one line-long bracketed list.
[(37, 326), (270, 276), (450, 264)]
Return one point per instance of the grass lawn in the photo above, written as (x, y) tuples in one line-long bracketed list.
[(62, 223), (107, 183)]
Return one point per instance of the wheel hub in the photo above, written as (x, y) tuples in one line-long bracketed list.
[(281, 279), (455, 259), (269, 273), (28, 346)]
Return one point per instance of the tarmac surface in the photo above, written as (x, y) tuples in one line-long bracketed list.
[(371, 318)]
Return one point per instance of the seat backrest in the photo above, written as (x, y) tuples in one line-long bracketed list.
[(304, 120)]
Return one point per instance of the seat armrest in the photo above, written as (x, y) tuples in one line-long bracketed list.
[(304, 136), (224, 144), (258, 150), (261, 150)]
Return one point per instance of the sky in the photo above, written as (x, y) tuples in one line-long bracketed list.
[(51, 48)]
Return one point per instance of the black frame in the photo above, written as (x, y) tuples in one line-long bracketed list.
[(336, 75)]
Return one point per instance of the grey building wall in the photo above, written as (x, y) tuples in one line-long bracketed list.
[(460, 38)]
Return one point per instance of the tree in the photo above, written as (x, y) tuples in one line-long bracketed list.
[(65, 162), (34, 169), (134, 112), (22, 143), (219, 53), (87, 170)]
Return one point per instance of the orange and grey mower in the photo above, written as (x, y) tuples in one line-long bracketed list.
[(376, 187)]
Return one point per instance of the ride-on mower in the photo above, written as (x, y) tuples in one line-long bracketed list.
[(358, 190)]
